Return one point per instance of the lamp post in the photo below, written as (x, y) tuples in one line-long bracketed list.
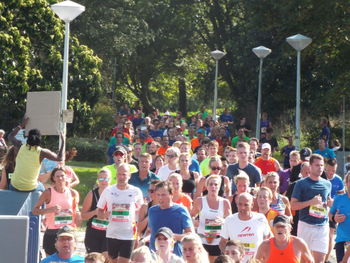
[(217, 55), (67, 11), (298, 42), (261, 52)]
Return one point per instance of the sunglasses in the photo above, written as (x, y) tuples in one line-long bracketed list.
[(170, 156), (103, 179), (118, 154), (215, 168)]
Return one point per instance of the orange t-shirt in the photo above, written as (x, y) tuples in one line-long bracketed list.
[(286, 255), (266, 165), (195, 143), (184, 200), (162, 150)]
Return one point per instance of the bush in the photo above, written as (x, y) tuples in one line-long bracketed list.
[(91, 150)]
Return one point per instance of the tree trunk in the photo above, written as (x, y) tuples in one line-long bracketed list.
[(182, 97), (145, 101)]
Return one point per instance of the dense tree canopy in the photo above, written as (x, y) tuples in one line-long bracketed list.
[(31, 47)]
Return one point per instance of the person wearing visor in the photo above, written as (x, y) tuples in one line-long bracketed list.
[(283, 247), (164, 242), (65, 245), (119, 158)]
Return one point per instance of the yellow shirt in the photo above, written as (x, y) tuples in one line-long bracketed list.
[(25, 176), (113, 170)]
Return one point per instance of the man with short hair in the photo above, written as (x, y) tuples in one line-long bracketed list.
[(311, 195), (65, 246), (198, 141), (185, 147), (213, 147), (153, 151), (201, 154), (324, 151), (283, 247), (168, 214), (120, 204), (265, 162), (164, 145), (249, 227), (119, 158), (142, 179), (243, 164), (137, 151), (241, 137)]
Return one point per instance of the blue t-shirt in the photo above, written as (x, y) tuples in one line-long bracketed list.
[(226, 117), (143, 185), (304, 190), (176, 218), (194, 167), (55, 258), (253, 172), (326, 153), (337, 185), (156, 133), (342, 203)]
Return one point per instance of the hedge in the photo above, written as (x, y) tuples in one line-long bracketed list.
[(91, 150)]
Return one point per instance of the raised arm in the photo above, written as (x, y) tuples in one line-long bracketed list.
[(46, 153), (13, 133)]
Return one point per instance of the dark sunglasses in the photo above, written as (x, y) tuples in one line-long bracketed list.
[(215, 168)]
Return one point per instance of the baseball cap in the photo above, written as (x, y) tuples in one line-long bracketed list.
[(201, 130), (305, 153), (165, 231), (266, 146), (281, 220), (120, 149), (65, 231)]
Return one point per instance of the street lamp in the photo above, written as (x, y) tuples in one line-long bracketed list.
[(298, 42), (67, 11), (217, 55), (261, 52)]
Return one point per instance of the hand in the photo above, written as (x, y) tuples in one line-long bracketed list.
[(24, 121), (339, 218), (329, 201), (62, 135), (55, 209), (317, 200)]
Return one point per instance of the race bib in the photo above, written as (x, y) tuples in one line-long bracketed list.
[(212, 230), (120, 212), (318, 211), (249, 247), (99, 224), (346, 245)]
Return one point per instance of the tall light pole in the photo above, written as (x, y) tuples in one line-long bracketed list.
[(217, 55), (298, 42), (67, 11), (261, 52)]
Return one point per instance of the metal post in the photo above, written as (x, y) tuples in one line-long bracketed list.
[(297, 112), (343, 139), (216, 89), (258, 110), (64, 93)]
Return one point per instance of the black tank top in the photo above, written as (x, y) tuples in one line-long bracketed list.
[(95, 198), (188, 184)]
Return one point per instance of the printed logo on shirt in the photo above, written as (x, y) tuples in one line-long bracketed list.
[(246, 233)]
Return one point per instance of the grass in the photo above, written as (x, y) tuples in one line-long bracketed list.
[(87, 173)]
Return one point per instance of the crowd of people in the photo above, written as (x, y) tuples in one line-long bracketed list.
[(192, 191)]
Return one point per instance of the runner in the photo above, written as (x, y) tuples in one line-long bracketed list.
[(172, 157), (61, 208), (120, 204), (213, 148), (310, 196), (264, 199), (178, 196), (235, 250), (212, 210), (164, 243), (190, 178), (169, 214), (340, 213), (95, 235), (283, 247), (193, 249), (246, 226), (265, 162), (242, 184)]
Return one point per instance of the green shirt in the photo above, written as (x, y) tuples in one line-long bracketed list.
[(236, 139), (113, 170)]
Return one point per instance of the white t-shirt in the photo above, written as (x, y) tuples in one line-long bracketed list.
[(122, 205), (164, 172), (250, 232)]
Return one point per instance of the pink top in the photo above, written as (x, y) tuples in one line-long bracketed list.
[(66, 214)]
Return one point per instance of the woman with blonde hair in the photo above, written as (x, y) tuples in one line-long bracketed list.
[(141, 254), (178, 196), (193, 250), (189, 178), (279, 202), (212, 210), (164, 245), (242, 183)]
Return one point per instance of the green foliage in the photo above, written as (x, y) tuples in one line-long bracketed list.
[(87, 177), (31, 42), (91, 150)]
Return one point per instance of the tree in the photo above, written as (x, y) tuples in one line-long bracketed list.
[(31, 42)]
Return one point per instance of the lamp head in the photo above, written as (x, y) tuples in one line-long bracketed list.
[(68, 10), (261, 51), (299, 42), (217, 54)]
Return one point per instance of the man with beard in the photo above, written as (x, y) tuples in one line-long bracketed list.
[(283, 247), (153, 151)]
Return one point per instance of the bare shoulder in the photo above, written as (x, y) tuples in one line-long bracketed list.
[(299, 242)]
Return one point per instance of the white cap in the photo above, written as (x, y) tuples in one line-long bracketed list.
[(266, 146)]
